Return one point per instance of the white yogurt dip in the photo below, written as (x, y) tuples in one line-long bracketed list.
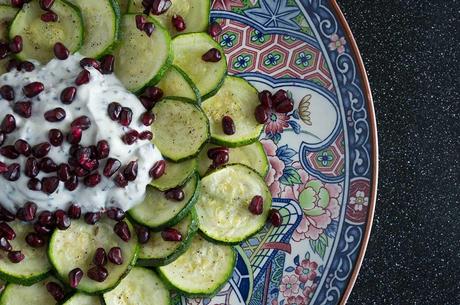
[(91, 100)]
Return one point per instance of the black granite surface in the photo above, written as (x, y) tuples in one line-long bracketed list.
[(411, 52)]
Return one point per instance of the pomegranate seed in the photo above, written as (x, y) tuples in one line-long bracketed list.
[(90, 62), (34, 185), (13, 64), (74, 137), (74, 211), (55, 137), (82, 78), (60, 51), (92, 218), (179, 23), (279, 96), (7, 92), (103, 149), (140, 22), (3, 167), (214, 29), (260, 114), (47, 165), (55, 290), (212, 152), (24, 109), (126, 116), (28, 212), (122, 230), (228, 125), (31, 168), (284, 106), (6, 215), (4, 50), (5, 244), (80, 172), (116, 214), (63, 172), (50, 184), (26, 66), (149, 28), (107, 64), (16, 44), (158, 169), (147, 102), (33, 89), (17, 3), (13, 173), (114, 111), (43, 231), (256, 206), (115, 256), (120, 180), (68, 95), (220, 158), (265, 98), (62, 220), (92, 180), (15, 256), (49, 17), (213, 55), (9, 152), (90, 165), (46, 218), (100, 257), (41, 150), (171, 234), (82, 122), (111, 167), (46, 4), (130, 171), (275, 218), (160, 6), (6, 231), (147, 118), (98, 274), (8, 124), (154, 93), (72, 183), (143, 235), (146, 135), (130, 137), (75, 276), (175, 194), (34, 240), (55, 115), (2, 139)]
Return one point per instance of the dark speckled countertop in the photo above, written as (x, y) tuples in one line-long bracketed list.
[(411, 52)]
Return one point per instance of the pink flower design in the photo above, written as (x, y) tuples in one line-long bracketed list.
[(306, 271), (276, 167), (226, 4), (276, 123), (337, 43), (320, 204), (359, 201), (309, 291), (289, 285), (297, 300)]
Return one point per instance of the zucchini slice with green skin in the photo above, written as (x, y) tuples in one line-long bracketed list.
[(124, 4), (141, 287), (76, 246), (101, 19), (36, 294), (207, 76), (176, 174), (7, 14), (157, 212), (180, 129), (222, 208), (35, 266), (141, 60), (158, 252), (252, 155), (40, 37), (83, 299), (202, 270), (177, 85), (237, 99)]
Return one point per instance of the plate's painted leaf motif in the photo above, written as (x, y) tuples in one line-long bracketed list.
[(319, 246), (290, 176)]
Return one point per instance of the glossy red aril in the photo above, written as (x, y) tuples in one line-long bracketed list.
[(16, 256), (103, 149), (60, 51), (55, 137), (3, 167), (7, 231), (46, 4), (49, 17), (46, 218), (147, 102), (82, 78), (178, 23), (13, 64), (31, 168), (24, 109), (120, 180), (214, 29), (220, 158), (140, 22), (8, 124), (213, 55), (80, 171), (22, 147), (212, 152), (17, 3), (41, 150), (143, 235), (2, 138), (154, 93), (15, 44), (279, 96), (107, 64), (34, 185), (5, 244), (90, 62), (100, 257), (64, 172), (9, 152), (34, 240), (92, 180), (50, 184), (147, 118), (72, 183), (47, 165), (149, 28), (68, 95), (284, 106), (275, 218), (115, 256), (265, 98), (111, 167), (55, 290), (159, 7), (62, 220), (13, 173), (92, 217), (114, 111), (55, 115), (74, 137), (116, 214), (256, 206), (42, 230), (33, 89), (261, 114), (126, 116), (83, 122), (7, 92), (74, 211), (228, 125), (27, 212), (75, 276), (121, 228), (171, 234), (98, 273), (130, 137), (130, 171), (158, 169), (175, 194), (146, 135), (26, 66)]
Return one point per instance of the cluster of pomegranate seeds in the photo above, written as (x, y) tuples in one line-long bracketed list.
[(171, 234), (256, 206), (46, 4), (178, 23), (228, 125), (175, 194), (158, 169), (219, 156), (49, 17), (60, 51), (279, 102), (214, 29), (213, 55), (143, 235), (56, 291), (15, 44), (75, 277), (107, 64), (33, 89), (23, 108)]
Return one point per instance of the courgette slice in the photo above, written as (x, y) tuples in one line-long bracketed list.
[(176, 84), (40, 37), (207, 76), (36, 294), (140, 287), (202, 270), (252, 155), (141, 60), (83, 299), (180, 130), (158, 252), (76, 246), (176, 174), (157, 212), (124, 4), (222, 208), (35, 266), (7, 14), (237, 99), (101, 19)]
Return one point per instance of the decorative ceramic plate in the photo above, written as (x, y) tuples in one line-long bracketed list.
[(323, 155)]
